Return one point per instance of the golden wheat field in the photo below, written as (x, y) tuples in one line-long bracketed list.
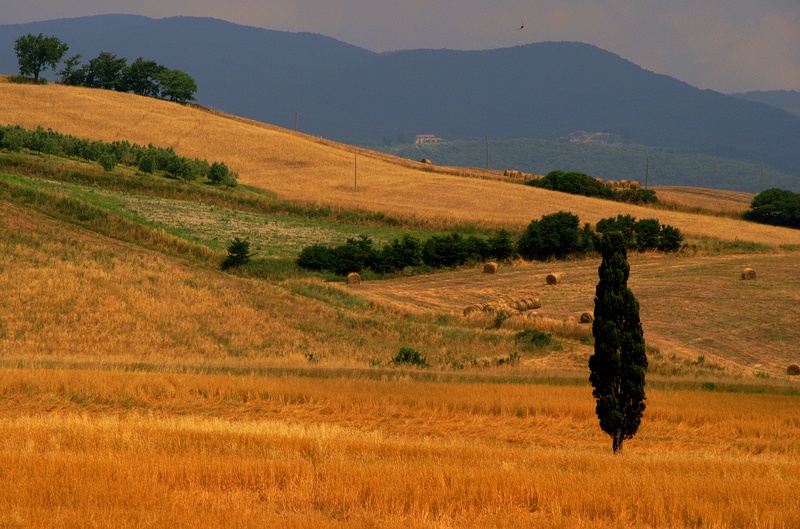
[(104, 449), (142, 388)]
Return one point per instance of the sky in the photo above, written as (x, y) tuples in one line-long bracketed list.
[(724, 45)]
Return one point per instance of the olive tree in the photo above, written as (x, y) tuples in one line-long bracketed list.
[(36, 53)]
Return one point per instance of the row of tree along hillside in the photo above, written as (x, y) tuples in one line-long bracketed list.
[(37, 53), (553, 236), (582, 184), (148, 159)]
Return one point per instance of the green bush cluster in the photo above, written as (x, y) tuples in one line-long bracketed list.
[(440, 251), (558, 236), (577, 183), (148, 159), (409, 356), (644, 234), (777, 207)]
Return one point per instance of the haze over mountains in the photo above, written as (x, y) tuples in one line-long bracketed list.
[(339, 91)]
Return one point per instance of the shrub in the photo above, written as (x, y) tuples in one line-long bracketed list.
[(401, 253), (669, 239), (647, 234), (501, 246), (777, 207), (555, 235), (238, 253), (108, 161), (409, 356), (636, 196), (574, 183), (219, 174), (442, 251), (316, 257), (533, 338), (641, 235), (147, 163)]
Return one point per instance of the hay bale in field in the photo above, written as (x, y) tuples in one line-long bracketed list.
[(353, 278), (748, 273), (426, 161), (472, 308), (586, 317), (624, 184), (490, 268), (553, 279), (532, 303), (612, 184), (793, 370), (636, 185)]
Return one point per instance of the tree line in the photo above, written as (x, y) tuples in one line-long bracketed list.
[(778, 207), (150, 159), (577, 183), (558, 236), (37, 53)]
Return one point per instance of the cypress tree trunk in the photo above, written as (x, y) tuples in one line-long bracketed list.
[(619, 361)]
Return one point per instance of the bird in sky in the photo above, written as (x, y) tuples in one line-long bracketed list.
[(521, 26)]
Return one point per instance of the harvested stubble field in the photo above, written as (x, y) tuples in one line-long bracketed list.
[(690, 306), (145, 388), (99, 449)]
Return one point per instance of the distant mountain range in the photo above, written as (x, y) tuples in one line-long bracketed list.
[(788, 100), (543, 91)]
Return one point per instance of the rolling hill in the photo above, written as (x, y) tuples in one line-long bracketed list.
[(694, 301), (543, 91), (300, 167)]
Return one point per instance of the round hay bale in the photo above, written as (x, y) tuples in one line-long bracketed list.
[(748, 273), (793, 370), (636, 185), (353, 278), (426, 161), (553, 279), (490, 268), (533, 303), (472, 308), (586, 317)]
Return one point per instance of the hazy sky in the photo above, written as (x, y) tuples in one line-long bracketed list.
[(725, 45)]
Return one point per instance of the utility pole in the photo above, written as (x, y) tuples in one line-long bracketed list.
[(647, 172)]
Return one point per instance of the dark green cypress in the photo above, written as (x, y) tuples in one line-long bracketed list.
[(619, 361)]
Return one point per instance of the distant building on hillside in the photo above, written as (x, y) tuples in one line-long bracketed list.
[(426, 138)]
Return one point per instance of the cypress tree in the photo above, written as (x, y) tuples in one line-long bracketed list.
[(619, 361)]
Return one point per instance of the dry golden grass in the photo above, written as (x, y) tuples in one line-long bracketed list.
[(297, 166), (705, 199), (70, 295), (99, 449)]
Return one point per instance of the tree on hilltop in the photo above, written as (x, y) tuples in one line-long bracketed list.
[(619, 361), (36, 53)]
